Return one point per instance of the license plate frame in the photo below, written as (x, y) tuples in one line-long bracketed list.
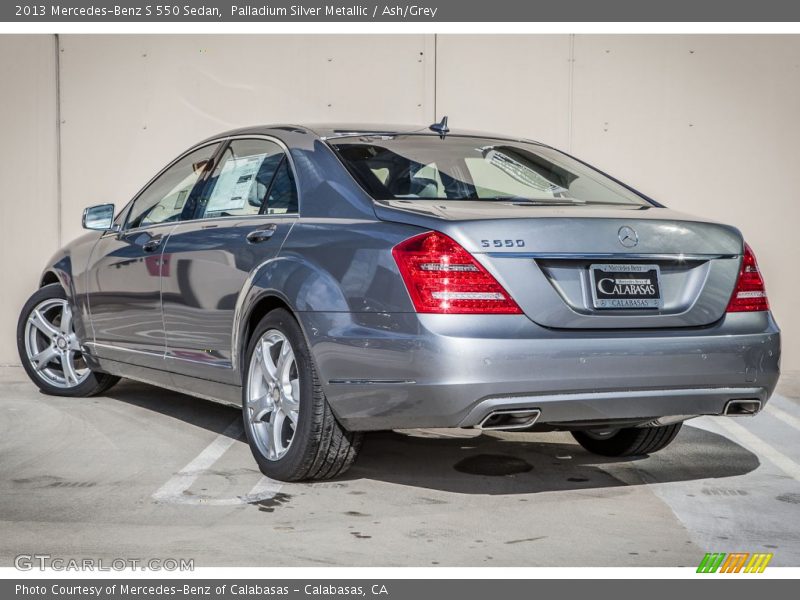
[(637, 293)]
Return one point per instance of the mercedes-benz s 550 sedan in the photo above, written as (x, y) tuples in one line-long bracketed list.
[(332, 280)]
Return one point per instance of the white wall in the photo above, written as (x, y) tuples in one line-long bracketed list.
[(28, 192), (705, 124), (131, 103), (709, 125)]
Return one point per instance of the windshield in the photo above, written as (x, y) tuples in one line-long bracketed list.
[(426, 167)]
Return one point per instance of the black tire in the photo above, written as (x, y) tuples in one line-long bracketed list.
[(631, 441), (320, 447), (94, 384)]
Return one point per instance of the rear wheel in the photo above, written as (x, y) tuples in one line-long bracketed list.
[(291, 430), (630, 441), (50, 350)]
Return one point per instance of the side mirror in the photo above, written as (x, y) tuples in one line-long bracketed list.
[(99, 218)]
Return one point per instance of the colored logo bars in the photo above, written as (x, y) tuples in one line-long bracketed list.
[(736, 562)]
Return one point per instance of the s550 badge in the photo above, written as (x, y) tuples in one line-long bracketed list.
[(503, 243)]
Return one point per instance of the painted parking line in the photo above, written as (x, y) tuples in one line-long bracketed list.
[(784, 416), (174, 491), (183, 479), (760, 447)]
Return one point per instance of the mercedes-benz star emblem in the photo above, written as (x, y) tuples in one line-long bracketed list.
[(628, 236)]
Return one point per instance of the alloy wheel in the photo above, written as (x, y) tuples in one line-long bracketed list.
[(273, 395), (52, 347)]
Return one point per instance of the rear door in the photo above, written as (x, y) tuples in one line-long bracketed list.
[(126, 267), (244, 213)]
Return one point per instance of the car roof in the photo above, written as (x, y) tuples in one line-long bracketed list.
[(328, 131)]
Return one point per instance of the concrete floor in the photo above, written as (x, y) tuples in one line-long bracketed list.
[(146, 473)]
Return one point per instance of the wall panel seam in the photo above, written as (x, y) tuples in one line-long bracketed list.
[(59, 208), (570, 90), (435, 75)]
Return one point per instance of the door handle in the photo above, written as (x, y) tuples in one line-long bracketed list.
[(152, 245), (262, 234)]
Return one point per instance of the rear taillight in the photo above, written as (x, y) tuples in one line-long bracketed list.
[(442, 277), (749, 294)]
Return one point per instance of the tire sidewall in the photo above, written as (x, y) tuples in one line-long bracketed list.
[(296, 457)]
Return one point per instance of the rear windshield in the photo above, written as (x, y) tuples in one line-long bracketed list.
[(426, 167)]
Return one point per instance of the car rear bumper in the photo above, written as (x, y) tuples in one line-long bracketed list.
[(392, 371)]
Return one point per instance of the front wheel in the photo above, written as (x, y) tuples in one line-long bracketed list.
[(630, 441), (291, 430), (50, 351)]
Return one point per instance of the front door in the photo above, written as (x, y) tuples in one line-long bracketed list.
[(244, 213), (126, 267)]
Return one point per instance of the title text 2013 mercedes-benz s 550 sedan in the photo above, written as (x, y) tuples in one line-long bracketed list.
[(332, 280)]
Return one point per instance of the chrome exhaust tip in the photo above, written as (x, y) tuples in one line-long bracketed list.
[(509, 418), (742, 408)]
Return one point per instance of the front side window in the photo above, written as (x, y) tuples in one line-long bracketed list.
[(426, 167), (165, 199), (253, 177)]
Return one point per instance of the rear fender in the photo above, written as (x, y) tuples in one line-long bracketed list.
[(298, 284), (328, 266)]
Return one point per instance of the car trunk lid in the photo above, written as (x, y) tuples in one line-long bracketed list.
[(544, 257)]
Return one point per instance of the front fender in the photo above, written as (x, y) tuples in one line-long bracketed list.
[(67, 266), (59, 270)]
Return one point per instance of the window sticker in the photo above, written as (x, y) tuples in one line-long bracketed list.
[(235, 183), (181, 200)]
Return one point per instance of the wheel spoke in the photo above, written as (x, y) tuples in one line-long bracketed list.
[(267, 437), (73, 343), (41, 359), (288, 387), (259, 408), (285, 362), (66, 320), (290, 402), (38, 320), (276, 431), (267, 364), (69, 368)]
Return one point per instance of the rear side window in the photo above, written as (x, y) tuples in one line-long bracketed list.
[(282, 198), (426, 167), (250, 173)]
